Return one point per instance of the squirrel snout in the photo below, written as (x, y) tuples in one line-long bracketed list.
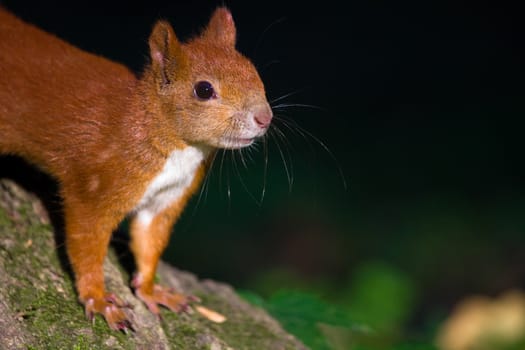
[(263, 117)]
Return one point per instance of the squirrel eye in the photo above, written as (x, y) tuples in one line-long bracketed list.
[(204, 90)]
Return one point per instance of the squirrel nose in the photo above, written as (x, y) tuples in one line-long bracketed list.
[(263, 117)]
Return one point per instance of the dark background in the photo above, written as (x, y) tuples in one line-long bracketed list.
[(420, 105)]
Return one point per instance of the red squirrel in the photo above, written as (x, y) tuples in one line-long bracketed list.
[(121, 145)]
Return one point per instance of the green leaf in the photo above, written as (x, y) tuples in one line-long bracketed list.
[(307, 316)]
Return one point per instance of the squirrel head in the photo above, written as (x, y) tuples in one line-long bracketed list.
[(206, 91)]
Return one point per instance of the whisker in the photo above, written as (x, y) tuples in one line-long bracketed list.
[(221, 167), (265, 168), (280, 133), (266, 65), (243, 184), (261, 37), (249, 152), (288, 169), (203, 193), (294, 127), (286, 96), (204, 190), (229, 133), (228, 186), (243, 161), (288, 105)]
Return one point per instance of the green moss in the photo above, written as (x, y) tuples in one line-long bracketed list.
[(239, 329), (44, 312), (82, 344), (42, 294), (4, 219)]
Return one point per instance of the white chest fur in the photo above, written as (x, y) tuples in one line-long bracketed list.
[(171, 183)]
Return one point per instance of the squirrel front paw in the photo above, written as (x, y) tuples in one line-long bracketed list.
[(112, 308), (166, 297), (159, 295)]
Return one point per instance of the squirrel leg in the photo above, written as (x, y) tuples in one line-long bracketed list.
[(86, 244), (149, 238)]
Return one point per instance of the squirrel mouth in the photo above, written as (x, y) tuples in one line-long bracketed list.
[(237, 142)]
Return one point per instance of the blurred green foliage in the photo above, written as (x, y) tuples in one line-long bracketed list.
[(370, 313), (381, 296), (304, 315)]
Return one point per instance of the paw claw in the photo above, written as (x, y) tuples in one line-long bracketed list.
[(168, 298), (125, 326), (111, 308), (182, 309), (193, 299)]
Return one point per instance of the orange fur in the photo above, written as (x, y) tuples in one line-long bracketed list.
[(105, 135)]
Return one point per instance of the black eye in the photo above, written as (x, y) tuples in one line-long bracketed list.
[(204, 90)]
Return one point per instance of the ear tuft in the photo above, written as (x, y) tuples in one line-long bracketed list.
[(165, 50), (221, 28)]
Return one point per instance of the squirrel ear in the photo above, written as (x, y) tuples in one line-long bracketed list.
[(165, 51), (221, 28)]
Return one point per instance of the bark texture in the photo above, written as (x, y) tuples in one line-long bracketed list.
[(39, 308)]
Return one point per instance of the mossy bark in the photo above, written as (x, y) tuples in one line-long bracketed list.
[(39, 308)]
